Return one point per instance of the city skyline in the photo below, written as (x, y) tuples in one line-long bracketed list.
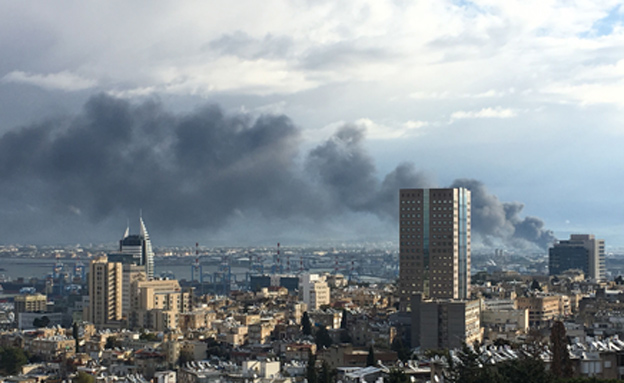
[(301, 125)]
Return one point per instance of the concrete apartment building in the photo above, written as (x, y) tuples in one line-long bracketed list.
[(542, 309), (439, 324), (30, 307), (314, 291), (581, 251), (503, 316), (132, 274), (30, 303), (434, 242), (158, 303), (105, 292)]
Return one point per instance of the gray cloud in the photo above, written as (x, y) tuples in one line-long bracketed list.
[(204, 169), (342, 55), (242, 45)]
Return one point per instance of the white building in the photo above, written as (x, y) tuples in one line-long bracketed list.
[(314, 291)]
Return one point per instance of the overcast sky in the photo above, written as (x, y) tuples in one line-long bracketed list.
[(257, 121)]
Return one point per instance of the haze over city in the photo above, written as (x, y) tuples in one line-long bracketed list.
[(299, 121)]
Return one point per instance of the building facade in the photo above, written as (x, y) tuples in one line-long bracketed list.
[(105, 292), (445, 324), (581, 251), (543, 309), (30, 303), (139, 247), (157, 304), (434, 231), (314, 291)]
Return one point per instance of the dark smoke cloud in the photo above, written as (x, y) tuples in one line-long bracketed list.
[(207, 169), (496, 222), (347, 174), (345, 170), (185, 170)]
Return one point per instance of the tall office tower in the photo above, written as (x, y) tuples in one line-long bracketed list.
[(434, 258), (105, 292), (581, 251), (139, 247)]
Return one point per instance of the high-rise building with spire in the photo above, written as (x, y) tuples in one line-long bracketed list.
[(139, 248)]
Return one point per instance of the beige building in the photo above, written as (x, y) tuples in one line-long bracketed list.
[(231, 332), (105, 293), (261, 368), (331, 319), (247, 319), (438, 324), (507, 319), (314, 291), (131, 274), (434, 233), (197, 319), (542, 309), (158, 303), (260, 333), (51, 348), (30, 303)]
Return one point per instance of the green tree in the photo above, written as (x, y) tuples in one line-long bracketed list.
[(217, 349), (403, 353), (76, 335), (370, 358), (311, 374), (345, 337), (306, 326), (525, 369), (44, 321), (148, 336), (467, 369), (323, 339), (12, 359), (110, 342), (396, 375), (326, 375), (561, 365), (83, 377), (185, 356)]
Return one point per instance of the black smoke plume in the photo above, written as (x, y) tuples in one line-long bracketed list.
[(208, 170), (499, 223)]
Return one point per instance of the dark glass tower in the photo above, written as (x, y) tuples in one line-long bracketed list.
[(139, 248)]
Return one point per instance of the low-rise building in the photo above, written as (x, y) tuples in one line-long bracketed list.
[(438, 324), (345, 355), (542, 308)]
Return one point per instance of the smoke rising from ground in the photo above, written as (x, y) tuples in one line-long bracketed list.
[(495, 222), (206, 168)]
